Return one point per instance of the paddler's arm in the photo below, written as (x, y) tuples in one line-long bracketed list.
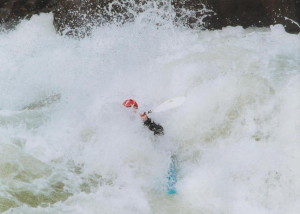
[(156, 128)]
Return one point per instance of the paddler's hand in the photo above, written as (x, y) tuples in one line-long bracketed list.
[(144, 116)]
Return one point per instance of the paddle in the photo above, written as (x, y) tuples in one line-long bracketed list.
[(168, 104)]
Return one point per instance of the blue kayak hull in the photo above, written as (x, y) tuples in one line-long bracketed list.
[(172, 177)]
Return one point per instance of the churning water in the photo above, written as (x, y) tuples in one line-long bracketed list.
[(67, 145)]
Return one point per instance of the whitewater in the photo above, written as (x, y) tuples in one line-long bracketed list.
[(67, 145)]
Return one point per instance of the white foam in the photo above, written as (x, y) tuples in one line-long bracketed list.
[(236, 138)]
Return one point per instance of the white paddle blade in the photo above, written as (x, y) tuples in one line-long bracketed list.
[(169, 104)]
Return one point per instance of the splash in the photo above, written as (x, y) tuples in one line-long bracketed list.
[(68, 146)]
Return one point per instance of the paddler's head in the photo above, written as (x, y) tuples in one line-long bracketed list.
[(130, 103)]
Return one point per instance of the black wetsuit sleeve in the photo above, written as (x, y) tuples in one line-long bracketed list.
[(156, 128)]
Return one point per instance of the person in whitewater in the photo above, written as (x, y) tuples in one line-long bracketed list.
[(156, 128)]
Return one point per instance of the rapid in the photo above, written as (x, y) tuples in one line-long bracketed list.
[(67, 145)]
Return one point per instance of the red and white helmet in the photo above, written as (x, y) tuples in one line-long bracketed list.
[(130, 103)]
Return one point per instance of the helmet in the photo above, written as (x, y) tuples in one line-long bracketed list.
[(130, 103)]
